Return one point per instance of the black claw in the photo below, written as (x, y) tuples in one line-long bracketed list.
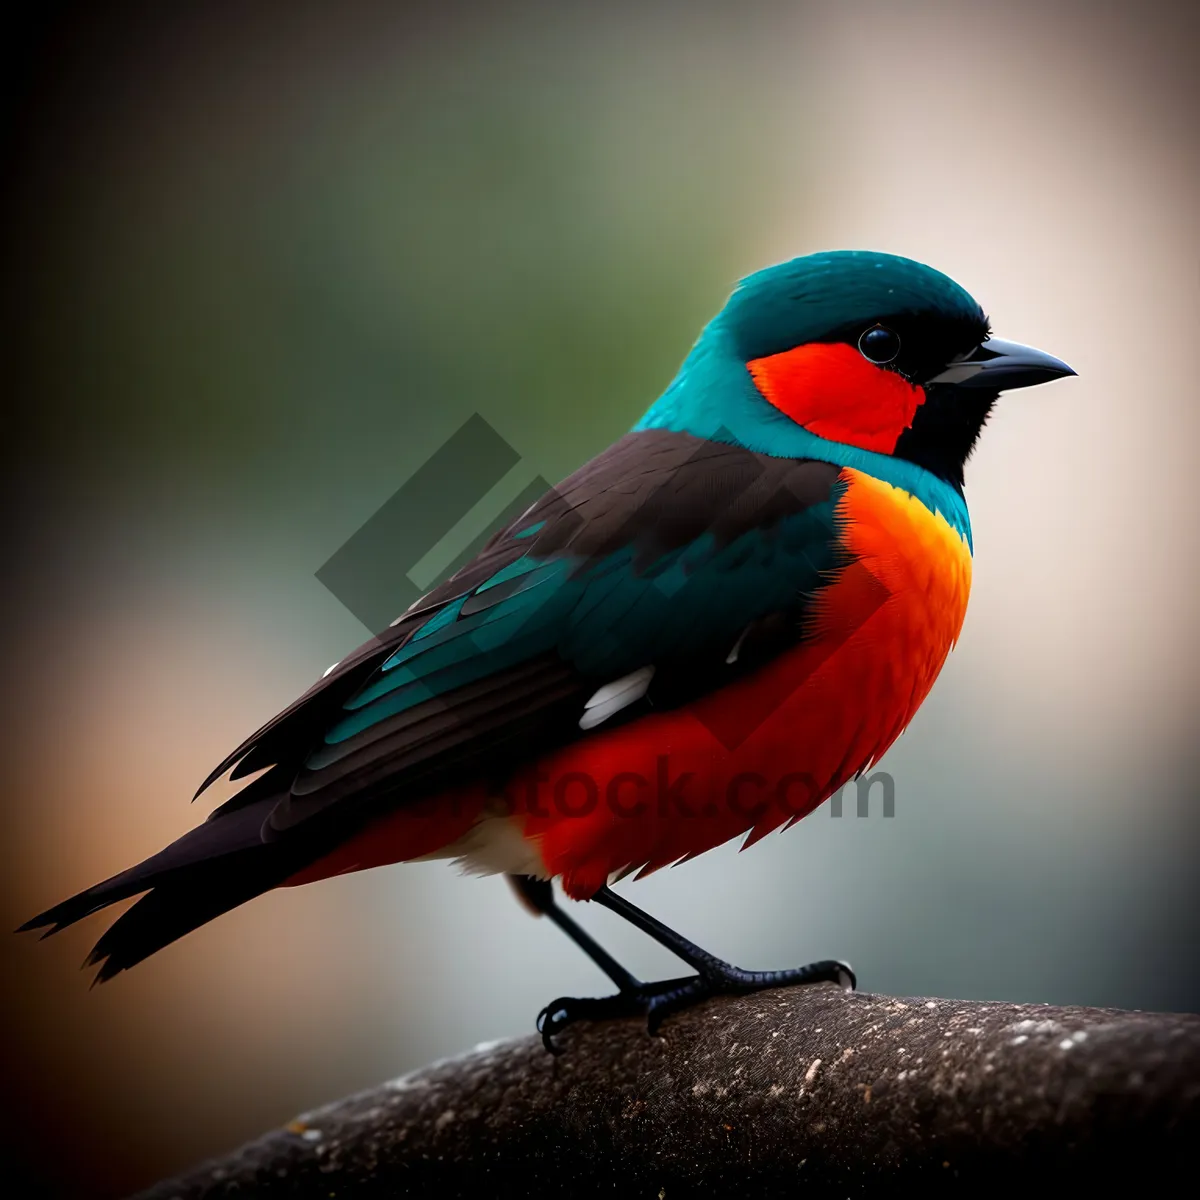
[(566, 1010), (639, 1001), (547, 1024), (555, 1017)]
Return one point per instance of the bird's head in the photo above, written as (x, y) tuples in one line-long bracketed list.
[(863, 350)]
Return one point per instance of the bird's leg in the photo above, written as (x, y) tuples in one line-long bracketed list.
[(538, 895), (658, 1000), (633, 996)]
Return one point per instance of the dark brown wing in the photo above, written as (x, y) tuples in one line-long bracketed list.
[(574, 587)]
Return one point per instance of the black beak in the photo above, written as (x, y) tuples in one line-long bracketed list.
[(997, 365)]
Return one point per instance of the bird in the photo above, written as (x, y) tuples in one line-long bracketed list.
[(701, 634)]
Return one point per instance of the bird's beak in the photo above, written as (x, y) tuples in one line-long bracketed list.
[(998, 365)]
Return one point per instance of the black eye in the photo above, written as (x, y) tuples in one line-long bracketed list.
[(879, 344)]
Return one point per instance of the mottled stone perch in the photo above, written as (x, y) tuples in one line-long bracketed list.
[(806, 1091)]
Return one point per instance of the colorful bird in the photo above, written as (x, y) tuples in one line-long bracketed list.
[(703, 632)]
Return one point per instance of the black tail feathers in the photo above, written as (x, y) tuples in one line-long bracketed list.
[(207, 872)]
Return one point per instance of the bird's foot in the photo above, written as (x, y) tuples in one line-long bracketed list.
[(657, 1001), (642, 1000)]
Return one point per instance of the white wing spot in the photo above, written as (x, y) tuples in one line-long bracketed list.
[(732, 657), (613, 697)]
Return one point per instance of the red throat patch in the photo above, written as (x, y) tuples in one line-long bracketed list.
[(832, 391)]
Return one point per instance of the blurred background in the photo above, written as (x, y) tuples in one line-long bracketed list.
[(263, 262)]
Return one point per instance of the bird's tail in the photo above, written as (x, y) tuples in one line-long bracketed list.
[(214, 868)]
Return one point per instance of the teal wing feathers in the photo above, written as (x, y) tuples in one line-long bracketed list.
[(665, 551)]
